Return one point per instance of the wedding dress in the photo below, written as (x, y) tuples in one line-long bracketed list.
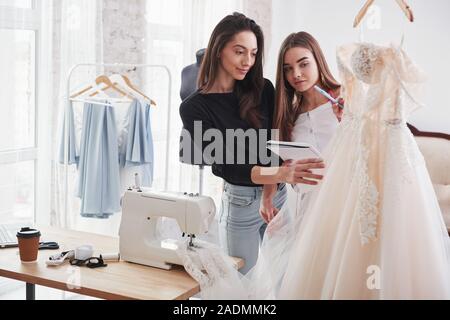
[(373, 228)]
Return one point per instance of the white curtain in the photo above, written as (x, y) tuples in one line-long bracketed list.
[(76, 39)]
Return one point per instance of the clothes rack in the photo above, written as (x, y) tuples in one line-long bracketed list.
[(132, 67)]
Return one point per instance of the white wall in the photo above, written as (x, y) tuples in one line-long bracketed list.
[(427, 41)]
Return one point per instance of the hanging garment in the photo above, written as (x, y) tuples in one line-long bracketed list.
[(373, 228), (73, 150), (136, 146), (99, 184)]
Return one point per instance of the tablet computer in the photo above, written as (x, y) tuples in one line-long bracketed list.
[(296, 151), (293, 150)]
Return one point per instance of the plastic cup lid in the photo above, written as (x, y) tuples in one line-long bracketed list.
[(28, 233)]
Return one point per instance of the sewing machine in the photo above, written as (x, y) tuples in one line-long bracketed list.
[(139, 238)]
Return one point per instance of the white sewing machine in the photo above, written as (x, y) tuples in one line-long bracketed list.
[(141, 209)]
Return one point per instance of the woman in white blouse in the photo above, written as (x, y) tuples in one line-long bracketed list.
[(302, 114)]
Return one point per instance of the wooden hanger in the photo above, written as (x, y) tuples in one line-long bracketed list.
[(128, 82), (100, 79), (105, 80), (402, 4), (81, 92)]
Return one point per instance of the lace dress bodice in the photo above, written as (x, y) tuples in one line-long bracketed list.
[(379, 82)]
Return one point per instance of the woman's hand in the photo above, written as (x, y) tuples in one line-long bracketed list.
[(301, 171), (338, 111), (267, 210)]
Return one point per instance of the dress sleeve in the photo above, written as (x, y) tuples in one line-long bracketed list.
[(411, 80)]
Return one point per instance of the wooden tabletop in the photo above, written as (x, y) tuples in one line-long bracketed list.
[(119, 280)]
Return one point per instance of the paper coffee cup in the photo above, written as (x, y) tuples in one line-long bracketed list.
[(28, 244)]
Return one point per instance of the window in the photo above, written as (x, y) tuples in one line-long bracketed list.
[(17, 200), (26, 4), (17, 96), (19, 27)]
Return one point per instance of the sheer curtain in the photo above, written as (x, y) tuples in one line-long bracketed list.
[(76, 39), (24, 157), (18, 116), (33, 60)]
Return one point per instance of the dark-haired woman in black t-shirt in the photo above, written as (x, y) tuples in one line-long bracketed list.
[(229, 120)]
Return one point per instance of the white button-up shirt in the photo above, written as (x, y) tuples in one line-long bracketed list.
[(316, 127)]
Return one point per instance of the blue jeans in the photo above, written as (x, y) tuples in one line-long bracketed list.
[(241, 227)]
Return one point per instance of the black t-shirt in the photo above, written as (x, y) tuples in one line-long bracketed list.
[(221, 111)]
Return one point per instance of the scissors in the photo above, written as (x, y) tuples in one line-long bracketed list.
[(51, 245)]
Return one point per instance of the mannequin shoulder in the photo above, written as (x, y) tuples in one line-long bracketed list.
[(189, 69)]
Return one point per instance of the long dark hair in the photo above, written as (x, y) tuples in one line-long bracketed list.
[(287, 100), (250, 88)]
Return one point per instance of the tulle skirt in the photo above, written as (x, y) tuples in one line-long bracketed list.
[(409, 255)]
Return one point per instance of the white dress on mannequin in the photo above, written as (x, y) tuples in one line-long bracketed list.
[(373, 229)]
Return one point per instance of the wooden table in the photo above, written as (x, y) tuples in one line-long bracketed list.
[(119, 280)]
